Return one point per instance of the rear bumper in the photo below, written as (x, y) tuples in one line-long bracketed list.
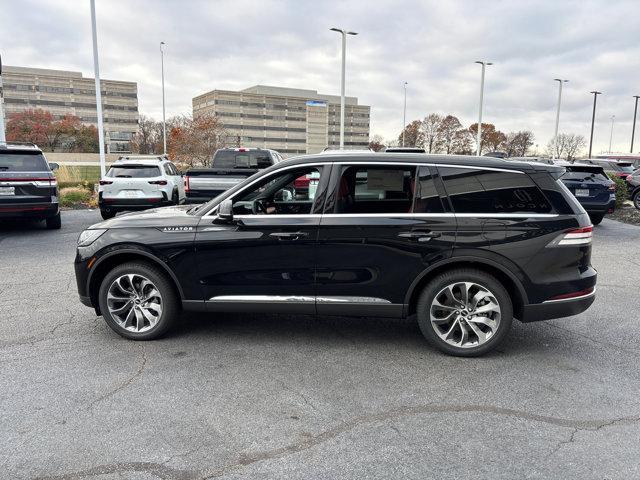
[(202, 197), (557, 308), (28, 210), (600, 207), (132, 203)]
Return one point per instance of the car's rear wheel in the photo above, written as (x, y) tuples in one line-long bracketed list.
[(464, 312), (175, 198), (107, 213), (138, 301), (54, 223), (596, 218), (636, 199)]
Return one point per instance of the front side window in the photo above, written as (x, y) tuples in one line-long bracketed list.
[(290, 192), (375, 189), (133, 171), (490, 191)]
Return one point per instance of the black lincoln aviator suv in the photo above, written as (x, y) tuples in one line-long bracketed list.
[(463, 243)]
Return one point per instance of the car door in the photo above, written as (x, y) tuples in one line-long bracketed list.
[(264, 259), (383, 226)]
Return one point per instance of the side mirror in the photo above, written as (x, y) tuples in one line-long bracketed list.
[(225, 211), (54, 166)]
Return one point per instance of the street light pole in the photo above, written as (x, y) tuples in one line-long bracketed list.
[(484, 65), (344, 53), (164, 122), (96, 69), (3, 139), (593, 119), (613, 119), (404, 114), (555, 135), (633, 130)]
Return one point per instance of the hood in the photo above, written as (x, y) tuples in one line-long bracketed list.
[(156, 217)]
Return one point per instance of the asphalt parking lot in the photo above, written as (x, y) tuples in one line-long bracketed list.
[(265, 396)]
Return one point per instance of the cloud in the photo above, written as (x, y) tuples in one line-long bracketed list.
[(432, 45)]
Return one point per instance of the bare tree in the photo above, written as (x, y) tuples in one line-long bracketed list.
[(376, 143), (148, 140), (193, 141), (566, 145), (452, 136), (411, 134), (517, 144), (429, 135)]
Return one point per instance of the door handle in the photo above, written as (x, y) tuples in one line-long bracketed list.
[(288, 235), (419, 236)]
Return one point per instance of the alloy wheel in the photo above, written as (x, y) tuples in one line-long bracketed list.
[(465, 314), (134, 302)]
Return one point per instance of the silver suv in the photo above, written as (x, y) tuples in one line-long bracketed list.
[(140, 182)]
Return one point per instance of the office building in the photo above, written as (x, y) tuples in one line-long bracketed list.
[(63, 92), (289, 120)]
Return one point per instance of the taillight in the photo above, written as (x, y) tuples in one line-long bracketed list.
[(575, 236), (158, 182), (186, 183), (106, 182)]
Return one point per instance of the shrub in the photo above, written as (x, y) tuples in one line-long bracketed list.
[(65, 174), (622, 191), (74, 196)]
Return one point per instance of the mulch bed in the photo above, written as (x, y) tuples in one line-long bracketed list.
[(626, 214)]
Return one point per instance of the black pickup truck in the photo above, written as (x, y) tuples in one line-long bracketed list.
[(28, 188), (229, 166)]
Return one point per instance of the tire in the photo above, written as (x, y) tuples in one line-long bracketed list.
[(494, 326), (54, 223), (175, 198), (596, 218), (636, 199), (107, 213), (128, 282)]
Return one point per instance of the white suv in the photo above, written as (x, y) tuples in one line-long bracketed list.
[(140, 182)]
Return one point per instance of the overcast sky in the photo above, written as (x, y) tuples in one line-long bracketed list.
[(430, 44)]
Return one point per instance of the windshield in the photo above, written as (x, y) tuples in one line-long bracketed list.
[(586, 174), (626, 167), (22, 162), (133, 171), (238, 159)]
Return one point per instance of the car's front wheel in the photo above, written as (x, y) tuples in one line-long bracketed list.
[(464, 312), (138, 301), (636, 199)]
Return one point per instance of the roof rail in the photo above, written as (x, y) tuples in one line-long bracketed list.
[(21, 144)]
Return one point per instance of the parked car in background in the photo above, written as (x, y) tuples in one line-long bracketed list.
[(28, 187), (496, 154), (633, 184), (591, 186), (464, 243), (619, 168), (547, 160), (137, 182), (229, 166)]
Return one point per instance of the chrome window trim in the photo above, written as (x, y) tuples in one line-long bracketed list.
[(573, 299), (210, 214), (402, 215)]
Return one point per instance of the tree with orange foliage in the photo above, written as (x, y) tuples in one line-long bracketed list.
[(193, 141)]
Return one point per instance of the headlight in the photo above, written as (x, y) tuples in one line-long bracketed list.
[(87, 237)]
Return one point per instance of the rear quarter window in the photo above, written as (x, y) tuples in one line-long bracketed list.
[(22, 162), (491, 191)]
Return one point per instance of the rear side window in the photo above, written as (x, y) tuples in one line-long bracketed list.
[(22, 162), (235, 159), (371, 189), (585, 175), (133, 171), (491, 191)]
